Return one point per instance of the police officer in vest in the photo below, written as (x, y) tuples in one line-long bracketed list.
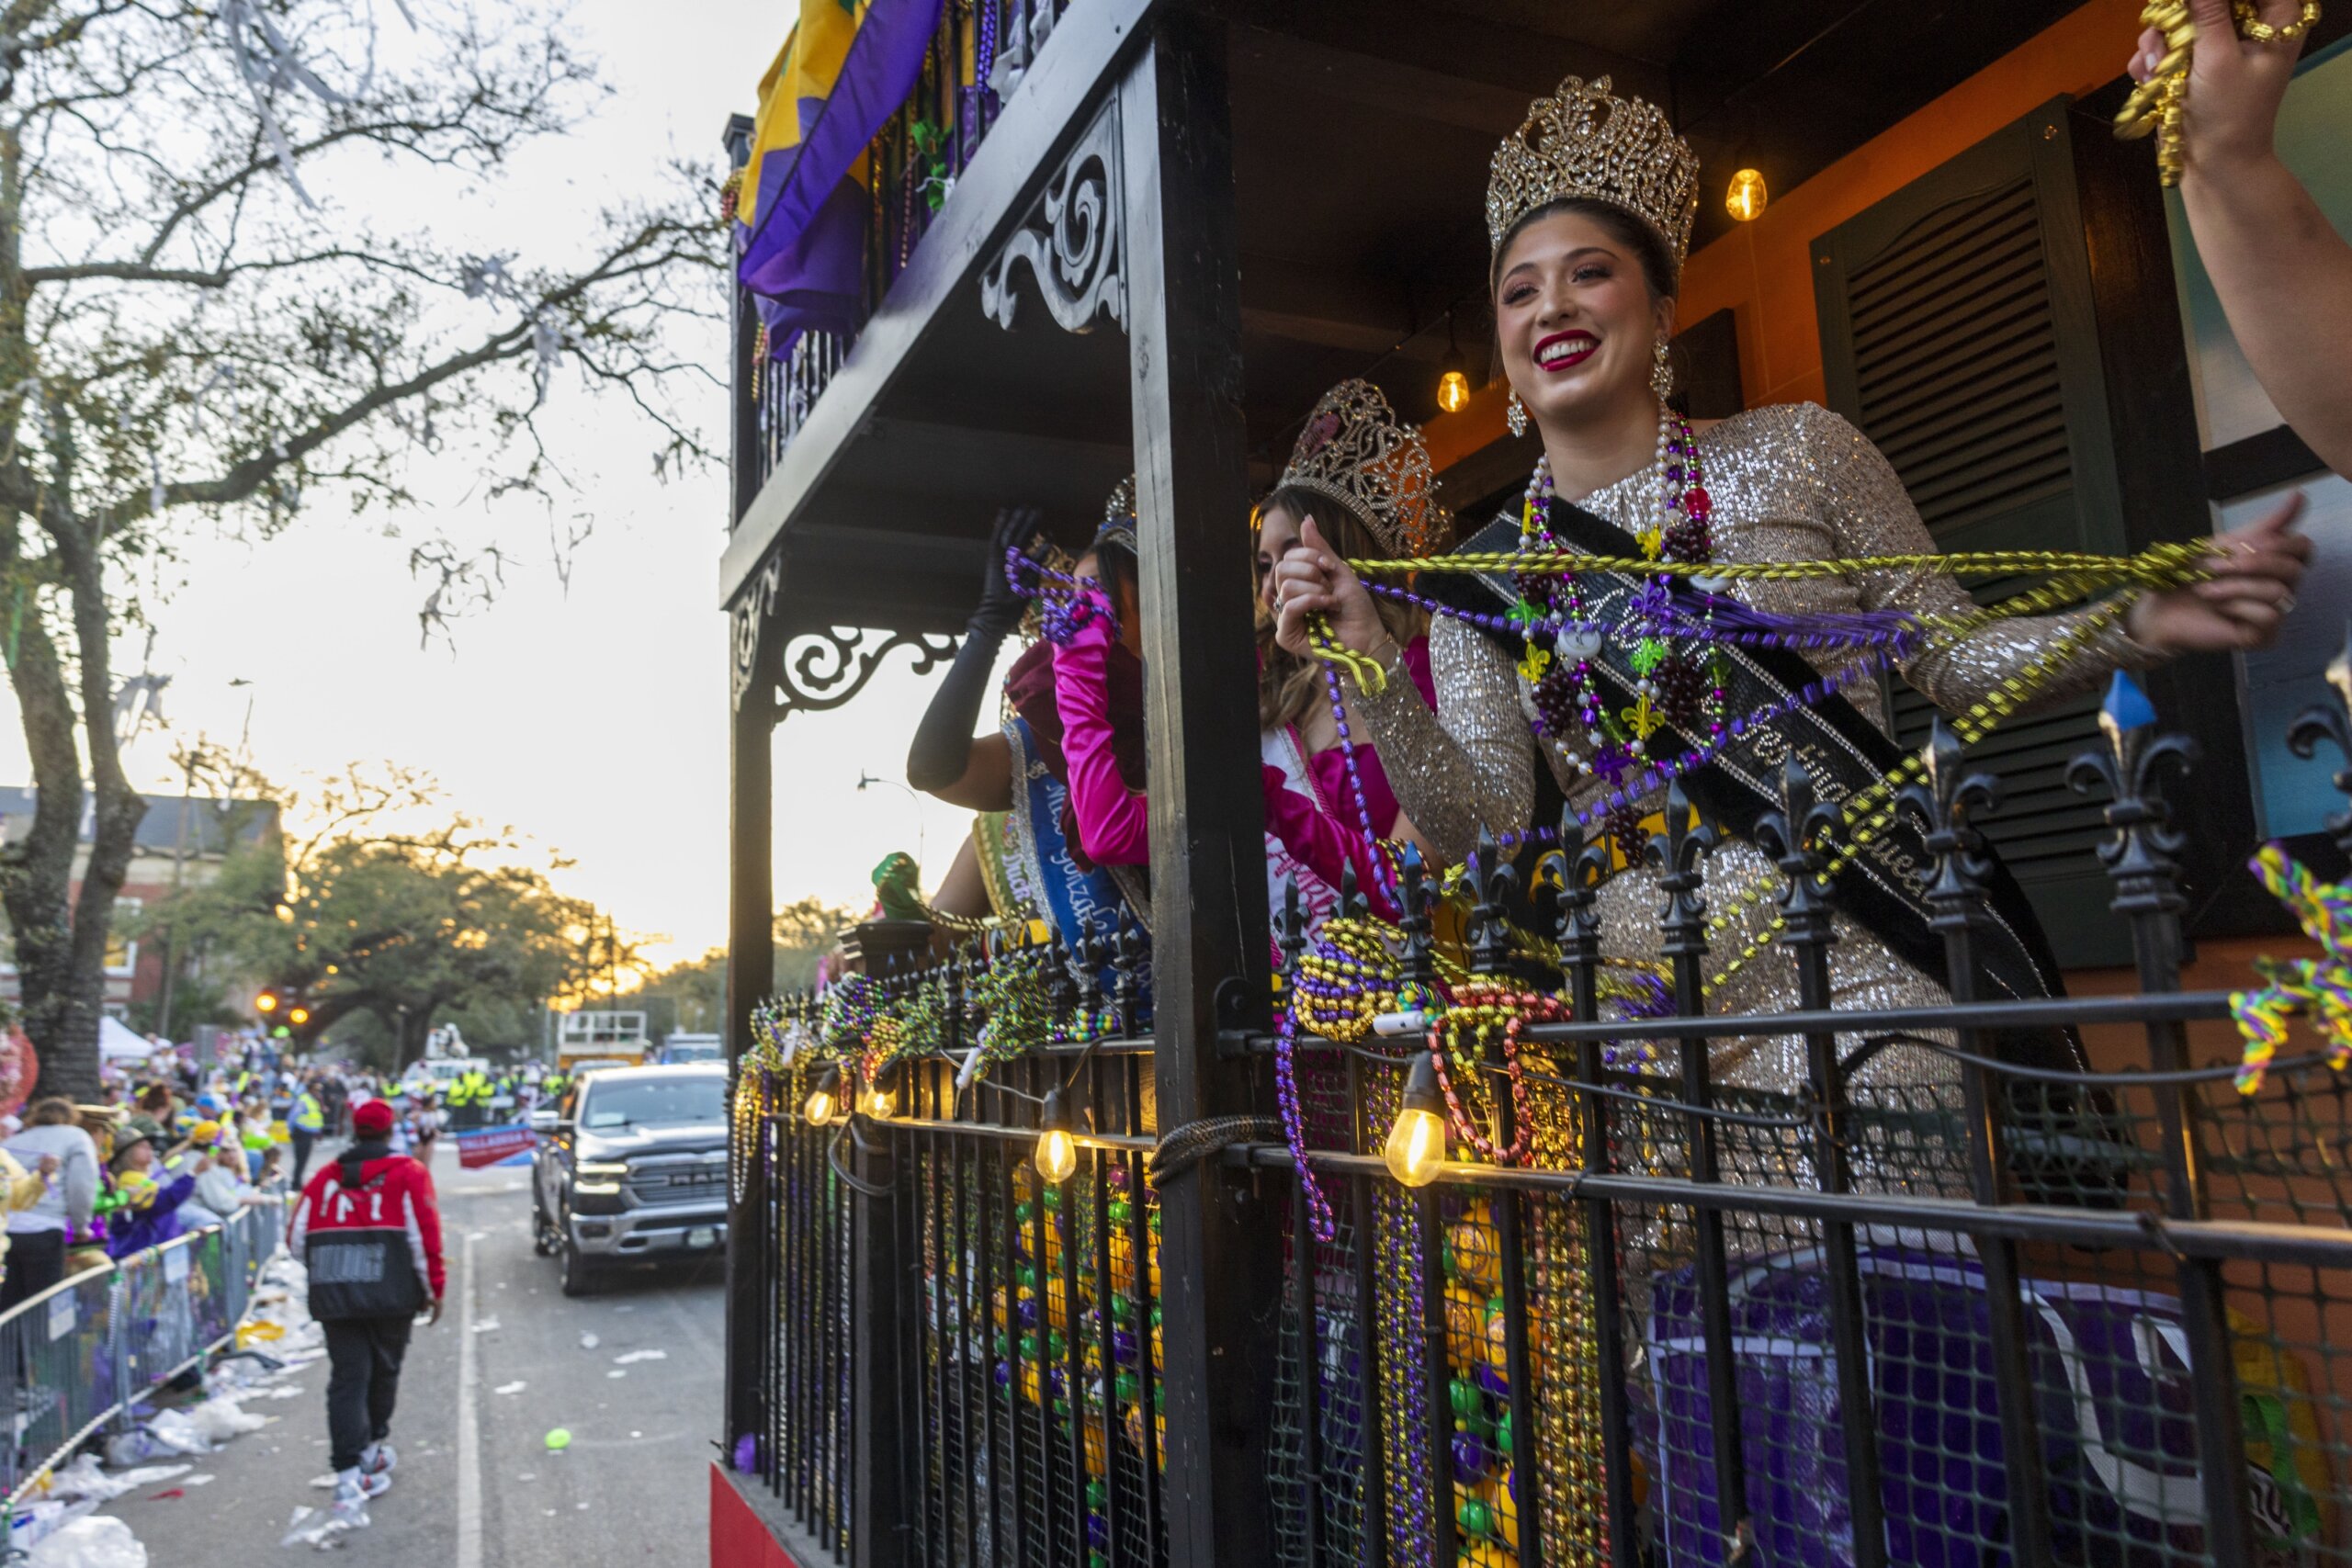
[(304, 1125)]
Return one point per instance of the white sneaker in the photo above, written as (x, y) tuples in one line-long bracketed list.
[(353, 1489), (379, 1458)]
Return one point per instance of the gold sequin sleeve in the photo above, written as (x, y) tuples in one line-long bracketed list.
[(1869, 513), (1469, 765)]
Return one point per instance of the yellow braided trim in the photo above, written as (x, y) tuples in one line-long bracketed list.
[(2161, 566), (1869, 812), (1324, 644)]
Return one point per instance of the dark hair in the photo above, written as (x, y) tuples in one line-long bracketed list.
[(1658, 262), (55, 1112), (1116, 569)]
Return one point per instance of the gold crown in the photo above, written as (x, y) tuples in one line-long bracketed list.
[(1583, 143), (1118, 525), (1354, 450)]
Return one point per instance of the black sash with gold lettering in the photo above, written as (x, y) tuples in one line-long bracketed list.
[(1882, 885)]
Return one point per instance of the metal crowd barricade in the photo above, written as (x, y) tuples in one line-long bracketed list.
[(81, 1353), (60, 1362)]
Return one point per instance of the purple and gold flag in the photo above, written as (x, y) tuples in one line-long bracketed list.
[(800, 223)]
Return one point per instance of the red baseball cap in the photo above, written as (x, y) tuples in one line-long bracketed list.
[(372, 1120)]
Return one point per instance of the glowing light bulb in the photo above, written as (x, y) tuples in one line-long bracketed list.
[(1744, 200), (1453, 391), (1416, 1146), (1056, 1150), (1056, 1156), (821, 1100)]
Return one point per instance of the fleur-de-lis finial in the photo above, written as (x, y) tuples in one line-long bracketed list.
[(1945, 805), (1793, 837), (2141, 857), (1131, 952), (1576, 868), (1290, 925), (1416, 965), (1678, 856), (1495, 879), (2332, 721)]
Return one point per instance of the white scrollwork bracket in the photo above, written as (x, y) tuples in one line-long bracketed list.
[(1071, 241), (751, 625)]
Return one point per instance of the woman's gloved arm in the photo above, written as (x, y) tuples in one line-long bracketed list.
[(941, 751)]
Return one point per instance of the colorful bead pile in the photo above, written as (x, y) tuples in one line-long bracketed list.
[(1034, 1314)]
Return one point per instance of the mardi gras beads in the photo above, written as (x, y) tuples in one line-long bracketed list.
[(1485, 1007)]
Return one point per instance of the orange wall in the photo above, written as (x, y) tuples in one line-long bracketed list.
[(1763, 271)]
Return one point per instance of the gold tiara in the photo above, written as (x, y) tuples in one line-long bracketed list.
[(1583, 143), (1354, 450)]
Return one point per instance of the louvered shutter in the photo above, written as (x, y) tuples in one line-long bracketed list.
[(1957, 334)]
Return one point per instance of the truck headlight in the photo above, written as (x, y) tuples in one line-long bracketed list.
[(599, 1178)]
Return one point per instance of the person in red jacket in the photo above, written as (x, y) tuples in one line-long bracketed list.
[(369, 1231)]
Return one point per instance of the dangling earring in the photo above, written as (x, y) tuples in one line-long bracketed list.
[(1661, 374), (1515, 415)]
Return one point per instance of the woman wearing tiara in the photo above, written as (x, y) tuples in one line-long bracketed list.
[(1361, 483), (1024, 859), (1359, 479), (1588, 212)]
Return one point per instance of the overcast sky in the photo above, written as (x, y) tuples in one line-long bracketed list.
[(594, 721)]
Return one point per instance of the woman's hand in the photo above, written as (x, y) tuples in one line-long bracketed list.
[(2234, 86), (1312, 578), (2241, 606), (1017, 528)]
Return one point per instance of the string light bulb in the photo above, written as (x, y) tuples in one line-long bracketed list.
[(824, 1097), (1454, 385), (1056, 1150), (1744, 200), (1416, 1147), (880, 1097)]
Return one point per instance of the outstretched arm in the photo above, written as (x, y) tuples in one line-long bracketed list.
[(945, 760), (2283, 273)]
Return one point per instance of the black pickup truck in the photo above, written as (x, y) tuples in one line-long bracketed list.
[(632, 1167)]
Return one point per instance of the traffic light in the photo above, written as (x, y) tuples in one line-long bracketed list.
[(266, 1003), (297, 1015)]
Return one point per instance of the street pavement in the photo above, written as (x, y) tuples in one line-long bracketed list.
[(477, 1485)]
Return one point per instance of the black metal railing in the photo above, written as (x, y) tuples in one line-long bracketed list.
[(979, 54), (802, 1449), (1841, 1284), (1019, 1348)]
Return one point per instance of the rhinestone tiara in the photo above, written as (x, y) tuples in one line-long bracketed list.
[(1118, 525), (1355, 451), (1583, 141)]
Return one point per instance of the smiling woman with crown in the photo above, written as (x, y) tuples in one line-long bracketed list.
[(1626, 680), (1361, 483)]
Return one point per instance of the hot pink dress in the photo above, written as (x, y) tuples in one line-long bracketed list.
[(1313, 825)]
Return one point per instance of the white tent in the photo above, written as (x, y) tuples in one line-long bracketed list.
[(117, 1042)]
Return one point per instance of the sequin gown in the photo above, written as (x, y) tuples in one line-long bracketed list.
[(1789, 482)]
